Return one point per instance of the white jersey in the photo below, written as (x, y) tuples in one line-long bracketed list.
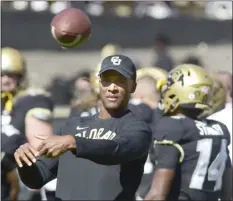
[(225, 116)]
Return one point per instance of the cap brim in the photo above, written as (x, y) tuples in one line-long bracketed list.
[(119, 70)]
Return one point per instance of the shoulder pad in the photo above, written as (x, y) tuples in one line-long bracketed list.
[(168, 128)]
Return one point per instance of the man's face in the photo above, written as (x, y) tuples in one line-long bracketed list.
[(8, 83), (115, 90)]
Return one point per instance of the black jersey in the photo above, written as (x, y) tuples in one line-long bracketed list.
[(138, 108), (197, 151), (141, 110), (13, 126), (109, 164)]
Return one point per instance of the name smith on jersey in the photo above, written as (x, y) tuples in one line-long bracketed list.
[(209, 130)]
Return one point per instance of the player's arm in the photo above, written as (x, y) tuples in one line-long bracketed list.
[(168, 155), (226, 193), (38, 119), (13, 181), (133, 143), (8, 164), (227, 182), (131, 176)]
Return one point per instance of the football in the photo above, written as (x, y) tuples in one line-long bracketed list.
[(71, 28)]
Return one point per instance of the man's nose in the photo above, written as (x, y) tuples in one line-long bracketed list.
[(112, 87)]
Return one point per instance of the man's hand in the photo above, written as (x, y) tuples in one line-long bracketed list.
[(55, 146), (25, 154)]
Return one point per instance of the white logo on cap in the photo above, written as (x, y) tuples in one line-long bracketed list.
[(116, 60)]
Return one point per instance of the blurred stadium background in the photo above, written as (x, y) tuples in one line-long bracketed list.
[(195, 31), (194, 28)]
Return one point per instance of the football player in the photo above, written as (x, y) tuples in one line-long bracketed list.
[(192, 159), (25, 111)]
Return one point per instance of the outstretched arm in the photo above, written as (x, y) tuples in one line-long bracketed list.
[(132, 143), (227, 182), (33, 172)]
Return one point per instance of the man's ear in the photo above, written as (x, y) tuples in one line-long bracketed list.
[(134, 87)]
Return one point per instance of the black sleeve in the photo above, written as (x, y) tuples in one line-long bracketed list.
[(167, 148), (41, 172), (227, 135), (167, 156), (130, 178), (133, 143)]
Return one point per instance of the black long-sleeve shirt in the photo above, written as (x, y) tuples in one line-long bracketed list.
[(108, 165)]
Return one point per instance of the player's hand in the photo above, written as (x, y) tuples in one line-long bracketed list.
[(55, 146), (25, 154)]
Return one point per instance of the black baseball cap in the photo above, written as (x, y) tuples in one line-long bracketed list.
[(120, 63)]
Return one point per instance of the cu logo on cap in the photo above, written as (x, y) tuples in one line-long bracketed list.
[(116, 60)]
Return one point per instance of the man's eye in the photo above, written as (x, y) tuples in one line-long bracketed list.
[(122, 80), (105, 80), (116, 81)]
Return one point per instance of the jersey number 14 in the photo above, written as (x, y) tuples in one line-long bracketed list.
[(206, 171)]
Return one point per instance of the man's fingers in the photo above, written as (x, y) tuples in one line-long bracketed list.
[(46, 147), (29, 154), (43, 143), (40, 147), (50, 152), (53, 153), (33, 150), (22, 157), (25, 159), (43, 150), (57, 153), (17, 159)]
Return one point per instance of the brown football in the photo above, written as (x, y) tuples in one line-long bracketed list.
[(71, 28)]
